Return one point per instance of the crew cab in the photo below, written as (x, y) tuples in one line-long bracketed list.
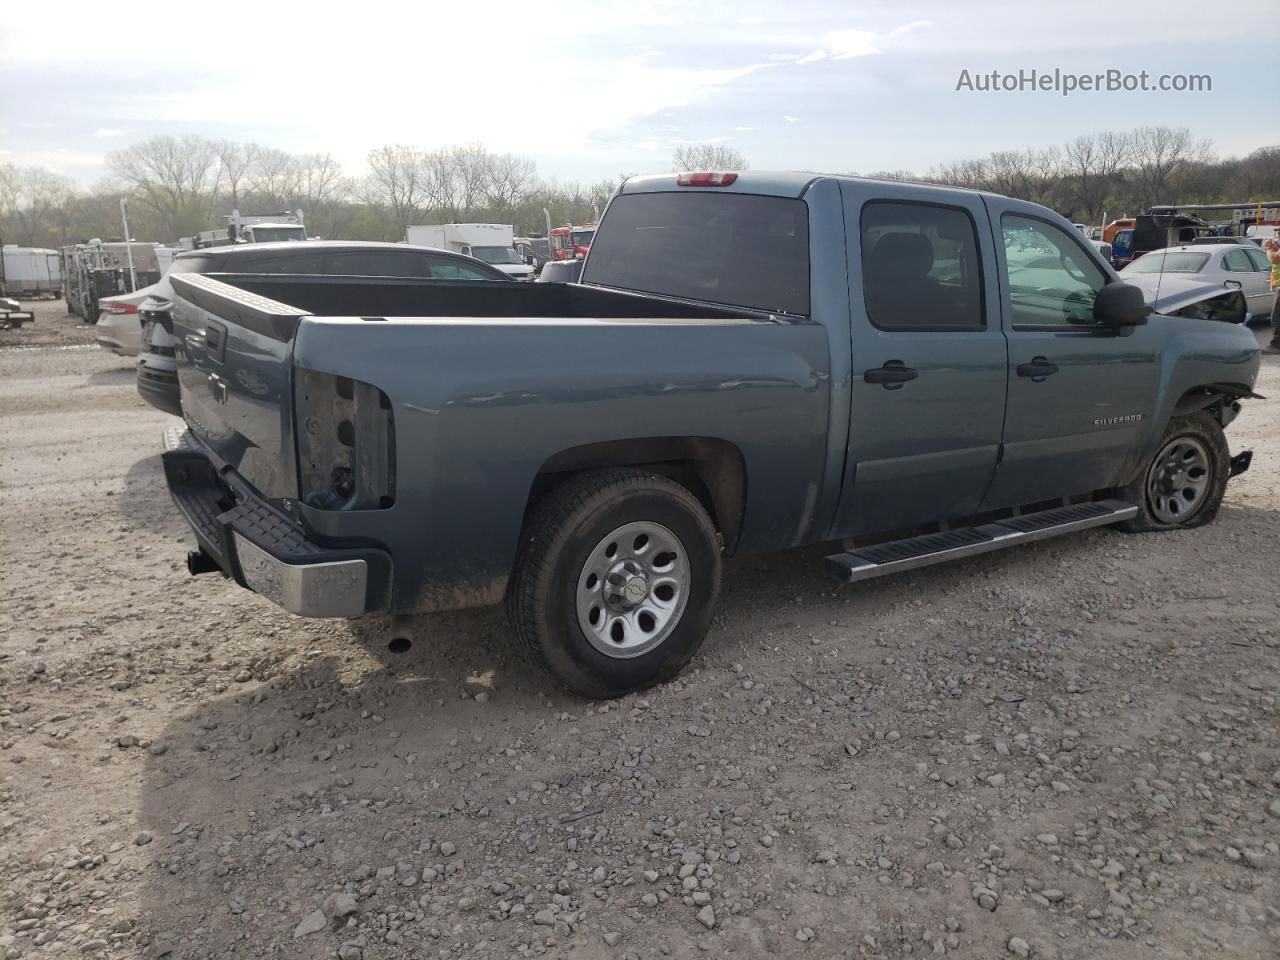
[(750, 361)]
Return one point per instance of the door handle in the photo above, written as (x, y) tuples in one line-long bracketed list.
[(1037, 369), (892, 375)]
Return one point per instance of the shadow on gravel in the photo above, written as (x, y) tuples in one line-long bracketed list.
[(304, 768), (118, 376), (145, 500)]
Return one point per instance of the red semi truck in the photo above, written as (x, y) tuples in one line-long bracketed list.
[(570, 242)]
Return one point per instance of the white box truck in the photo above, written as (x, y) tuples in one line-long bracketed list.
[(490, 242)]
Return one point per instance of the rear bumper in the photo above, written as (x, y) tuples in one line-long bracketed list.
[(263, 549), (159, 388)]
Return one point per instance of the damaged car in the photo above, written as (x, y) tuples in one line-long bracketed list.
[(1225, 282)]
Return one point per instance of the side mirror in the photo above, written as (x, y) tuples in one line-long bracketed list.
[(1121, 304)]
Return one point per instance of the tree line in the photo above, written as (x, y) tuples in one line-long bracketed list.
[(177, 186), (1115, 174)]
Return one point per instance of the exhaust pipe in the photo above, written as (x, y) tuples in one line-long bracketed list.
[(401, 633), (199, 562)]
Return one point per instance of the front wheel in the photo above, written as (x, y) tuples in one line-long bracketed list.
[(615, 583), (1183, 484)]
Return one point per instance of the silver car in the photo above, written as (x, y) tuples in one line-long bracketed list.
[(1178, 276)]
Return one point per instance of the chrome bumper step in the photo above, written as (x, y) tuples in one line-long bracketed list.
[(882, 559)]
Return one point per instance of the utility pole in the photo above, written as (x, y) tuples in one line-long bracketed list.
[(128, 243)]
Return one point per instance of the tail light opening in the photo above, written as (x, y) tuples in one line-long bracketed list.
[(346, 443)]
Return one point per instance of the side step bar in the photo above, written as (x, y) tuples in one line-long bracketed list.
[(863, 563)]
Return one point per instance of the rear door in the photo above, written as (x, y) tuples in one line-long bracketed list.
[(1081, 396), (1249, 265), (929, 360)]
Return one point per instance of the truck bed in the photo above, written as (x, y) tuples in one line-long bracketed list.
[(391, 297)]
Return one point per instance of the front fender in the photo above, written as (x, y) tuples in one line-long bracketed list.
[(1201, 362)]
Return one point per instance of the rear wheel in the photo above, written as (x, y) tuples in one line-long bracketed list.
[(615, 583), (1183, 484)]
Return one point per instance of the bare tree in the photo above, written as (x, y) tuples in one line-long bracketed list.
[(174, 176), (458, 178), (273, 177), (707, 156), (1092, 167), (234, 161), (1161, 155), (398, 180), (319, 180), (40, 200), (508, 183)]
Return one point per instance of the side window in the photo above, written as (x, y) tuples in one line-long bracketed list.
[(365, 263), (1260, 261), (1052, 280), (306, 263), (1237, 261), (456, 270), (920, 267)]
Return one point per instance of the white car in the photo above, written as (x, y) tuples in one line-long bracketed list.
[(119, 326), (1197, 271)]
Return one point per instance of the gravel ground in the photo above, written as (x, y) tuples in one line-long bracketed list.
[(1069, 751)]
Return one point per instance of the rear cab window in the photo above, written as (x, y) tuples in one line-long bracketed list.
[(733, 249), (920, 267)]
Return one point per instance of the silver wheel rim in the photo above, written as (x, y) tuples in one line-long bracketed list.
[(1178, 480), (632, 590)]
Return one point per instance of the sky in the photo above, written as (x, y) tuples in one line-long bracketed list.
[(593, 88)]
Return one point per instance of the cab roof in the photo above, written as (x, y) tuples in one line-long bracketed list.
[(778, 183)]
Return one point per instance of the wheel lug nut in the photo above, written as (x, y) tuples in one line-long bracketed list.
[(615, 579)]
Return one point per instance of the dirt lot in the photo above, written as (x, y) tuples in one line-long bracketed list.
[(1071, 751)]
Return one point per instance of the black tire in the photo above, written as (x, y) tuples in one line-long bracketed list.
[(1203, 429), (560, 537)]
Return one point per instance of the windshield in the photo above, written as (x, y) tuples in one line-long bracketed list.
[(269, 234), (583, 238), (496, 254), (733, 249), (1160, 262)]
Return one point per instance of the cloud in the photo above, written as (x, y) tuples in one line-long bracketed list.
[(848, 44), (790, 119), (109, 132), (813, 57), (907, 28), (745, 129)]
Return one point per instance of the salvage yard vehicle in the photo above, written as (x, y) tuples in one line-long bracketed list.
[(12, 316), (751, 361), (494, 243), (30, 271), (1229, 282), (157, 366), (252, 228)]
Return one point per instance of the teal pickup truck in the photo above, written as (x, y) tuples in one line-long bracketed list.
[(749, 362)]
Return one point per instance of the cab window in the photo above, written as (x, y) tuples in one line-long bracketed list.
[(1052, 279), (920, 267)]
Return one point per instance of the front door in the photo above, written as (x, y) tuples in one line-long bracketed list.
[(929, 361), (1081, 395)]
